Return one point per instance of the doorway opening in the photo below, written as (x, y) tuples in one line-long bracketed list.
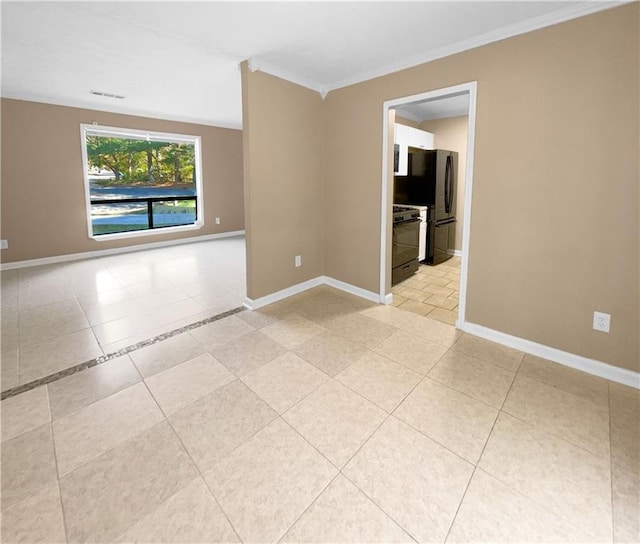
[(430, 112)]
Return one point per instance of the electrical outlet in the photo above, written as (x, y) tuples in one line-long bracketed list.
[(217, 220), (601, 322), (4, 244), (298, 261)]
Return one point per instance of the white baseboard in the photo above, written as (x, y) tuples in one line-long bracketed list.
[(348, 288), (591, 366), (455, 252), (116, 251), (254, 304)]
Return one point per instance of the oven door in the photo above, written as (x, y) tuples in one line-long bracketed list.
[(406, 242)]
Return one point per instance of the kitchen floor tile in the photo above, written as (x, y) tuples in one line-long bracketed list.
[(24, 412), (493, 512), (446, 316), (248, 352), (343, 514), (411, 351), (380, 380), (456, 421), (285, 381), (566, 379), (167, 353), (269, 482), (191, 515), (432, 330), (478, 379), (37, 518), (414, 480), (179, 386), (414, 306), (335, 420), (445, 303), (330, 352), (566, 479), (360, 329), (28, 465), (219, 422), (83, 388), (292, 330), (116, 490), (567, 416), (87, 433), (482, 349)]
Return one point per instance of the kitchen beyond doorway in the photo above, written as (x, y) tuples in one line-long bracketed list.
[(433, 291)]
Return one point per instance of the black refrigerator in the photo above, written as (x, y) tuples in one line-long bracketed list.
[(431, 181)]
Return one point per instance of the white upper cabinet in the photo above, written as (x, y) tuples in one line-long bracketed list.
[(401, 149), (419, 138)]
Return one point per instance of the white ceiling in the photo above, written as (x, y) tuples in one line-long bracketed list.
[(179, 60), (436, 108)]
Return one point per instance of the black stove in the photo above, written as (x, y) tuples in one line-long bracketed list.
[(402, 214)]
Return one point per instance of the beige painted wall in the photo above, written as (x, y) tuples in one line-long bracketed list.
[(43, 196), (451, 133), (554, 228), (284, 156)]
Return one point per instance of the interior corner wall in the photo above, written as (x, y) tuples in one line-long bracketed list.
[(451, 133), (43, 195), (283, 145), (554, 222)]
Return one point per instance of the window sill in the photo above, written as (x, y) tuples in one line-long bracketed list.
[(149, 232)]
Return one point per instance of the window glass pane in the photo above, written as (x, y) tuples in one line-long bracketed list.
[(112, 218), (168, 213), (146, 173)]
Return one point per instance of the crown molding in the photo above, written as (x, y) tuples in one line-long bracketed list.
[(537, 23), (256, 64)]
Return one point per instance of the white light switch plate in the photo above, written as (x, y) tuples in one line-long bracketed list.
[(4, 244)]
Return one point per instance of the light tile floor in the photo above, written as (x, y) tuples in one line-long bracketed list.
[(432, 291), (57, 316), (323, 418)]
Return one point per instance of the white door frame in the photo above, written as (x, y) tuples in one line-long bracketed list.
[(385, 230)]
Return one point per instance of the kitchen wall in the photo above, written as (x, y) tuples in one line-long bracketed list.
[(283, 141), (43, 196), (451, 133), (554, 224)]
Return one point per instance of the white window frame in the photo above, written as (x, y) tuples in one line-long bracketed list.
[(101, 130)]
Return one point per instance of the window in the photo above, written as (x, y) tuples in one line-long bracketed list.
[(140, 182)]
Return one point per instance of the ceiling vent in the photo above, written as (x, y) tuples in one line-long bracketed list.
[(108, 95)]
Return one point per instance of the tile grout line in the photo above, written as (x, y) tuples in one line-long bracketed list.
[(113, 355), (55, 458), (515, 490), (200, 474), (484, 447)]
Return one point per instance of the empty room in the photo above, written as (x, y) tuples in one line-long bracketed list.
[(320, 272)]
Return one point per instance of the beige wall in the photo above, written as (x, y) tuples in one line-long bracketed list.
[(451, 133), (554, 228), (284, 155), (43, 197)]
